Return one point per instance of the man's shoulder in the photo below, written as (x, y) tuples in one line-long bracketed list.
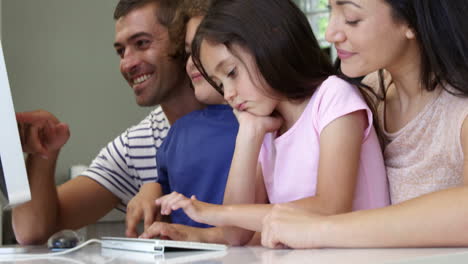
[(155, 116), (156, 119)]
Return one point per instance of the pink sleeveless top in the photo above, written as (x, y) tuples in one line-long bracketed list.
[(426, 155)]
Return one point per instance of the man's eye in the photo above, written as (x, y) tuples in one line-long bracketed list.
[(120, 52), (142, 43)]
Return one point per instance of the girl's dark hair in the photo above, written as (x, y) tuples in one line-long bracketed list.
[(278, 36), (441, 27)]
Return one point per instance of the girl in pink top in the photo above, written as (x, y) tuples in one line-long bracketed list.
[(306, 137), (423, 47)]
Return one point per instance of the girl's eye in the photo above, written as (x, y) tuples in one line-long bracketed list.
[(220, 88), (232, 73)]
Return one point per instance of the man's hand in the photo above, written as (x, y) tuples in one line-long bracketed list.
[(41, 133), (143, 207)]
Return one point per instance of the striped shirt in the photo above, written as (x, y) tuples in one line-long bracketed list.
[(129, 161)]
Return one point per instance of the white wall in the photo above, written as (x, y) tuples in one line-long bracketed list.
[(60, 57)]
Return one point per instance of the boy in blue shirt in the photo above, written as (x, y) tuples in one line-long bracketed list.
[(195, 158), (196, 155)]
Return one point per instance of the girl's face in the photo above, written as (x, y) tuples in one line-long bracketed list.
[(367, 38), (238, 77), (203, 90)]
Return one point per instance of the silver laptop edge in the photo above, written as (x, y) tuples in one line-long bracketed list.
[(155, 245)]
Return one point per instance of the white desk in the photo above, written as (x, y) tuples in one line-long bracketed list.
[(244, 255)]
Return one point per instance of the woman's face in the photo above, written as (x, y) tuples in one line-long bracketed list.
[(203, 90), (367, 37)]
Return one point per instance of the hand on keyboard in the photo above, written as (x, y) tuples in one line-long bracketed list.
[(142, 207)]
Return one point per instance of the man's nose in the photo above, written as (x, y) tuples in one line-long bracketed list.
[(129, 62)]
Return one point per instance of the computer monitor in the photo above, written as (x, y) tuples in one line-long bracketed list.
[(14, 183)]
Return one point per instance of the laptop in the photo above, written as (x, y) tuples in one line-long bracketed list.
[(157, 246)]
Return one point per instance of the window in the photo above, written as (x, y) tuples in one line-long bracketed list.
[(318, 14)]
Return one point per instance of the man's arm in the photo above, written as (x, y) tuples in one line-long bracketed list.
[(69, 206)]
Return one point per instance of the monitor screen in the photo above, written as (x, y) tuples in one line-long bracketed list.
[(14, 183)]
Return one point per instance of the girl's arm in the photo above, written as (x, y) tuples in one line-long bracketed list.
[(437, 219), (246, 216), (240, 187), (240, 236), (340, 142), (245, 182), (340, 154)]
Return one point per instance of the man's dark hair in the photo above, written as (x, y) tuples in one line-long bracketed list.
[(165, 13)]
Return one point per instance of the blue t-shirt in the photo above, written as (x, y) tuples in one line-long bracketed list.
[(196, 156)]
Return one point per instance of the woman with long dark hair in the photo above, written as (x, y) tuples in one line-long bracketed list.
[(420, 49)]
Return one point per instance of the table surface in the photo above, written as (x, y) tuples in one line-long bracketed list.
[(242, 255)]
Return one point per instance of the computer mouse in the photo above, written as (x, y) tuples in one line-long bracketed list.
[(63, 240)]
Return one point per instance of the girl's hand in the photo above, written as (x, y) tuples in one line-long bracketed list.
[(198, 211), (289, 227), (260, 124)]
